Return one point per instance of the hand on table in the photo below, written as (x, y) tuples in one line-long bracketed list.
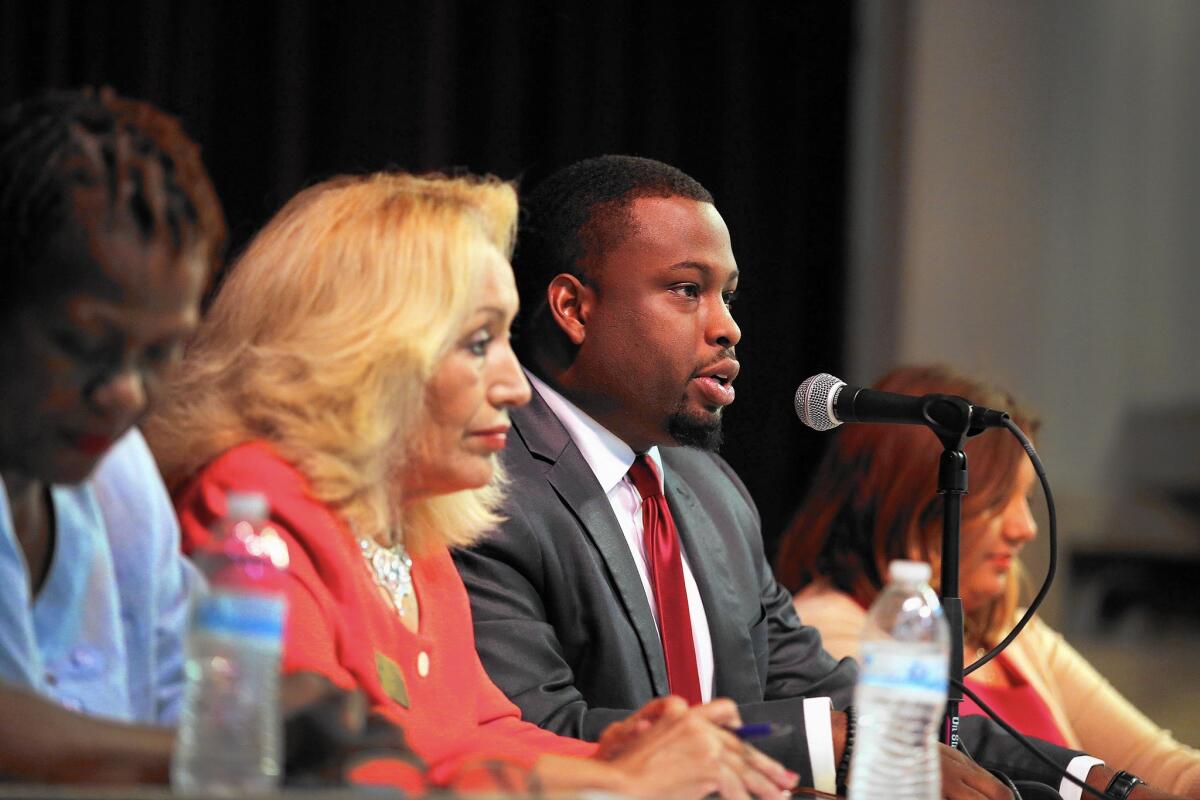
[(963, 779), (669, 749)]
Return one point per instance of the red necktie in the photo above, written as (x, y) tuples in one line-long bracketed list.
[(665, 565)]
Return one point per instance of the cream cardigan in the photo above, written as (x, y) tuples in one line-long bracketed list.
[(1092, 715)]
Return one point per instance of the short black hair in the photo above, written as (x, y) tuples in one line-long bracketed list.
[(579, 212), (60, 140)]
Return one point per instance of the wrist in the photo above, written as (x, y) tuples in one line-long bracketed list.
[(838, 722), (843, 764), (1122, 785), (612, 779), (556, 773), (1106, 780)]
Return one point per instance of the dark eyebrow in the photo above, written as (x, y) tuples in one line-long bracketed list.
[(114, 331), (702, 268)]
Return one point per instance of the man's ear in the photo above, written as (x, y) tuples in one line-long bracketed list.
[(570, 303)]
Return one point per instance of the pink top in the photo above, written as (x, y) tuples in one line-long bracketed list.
[(1090, 713), (1019, 704)]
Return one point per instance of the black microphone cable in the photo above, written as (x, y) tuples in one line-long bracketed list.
[(1052, 535), (1013, 732), (1051, 569), (817, 423)]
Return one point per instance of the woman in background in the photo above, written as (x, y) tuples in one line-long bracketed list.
[(355, 369), (109, 232), (874, 500)]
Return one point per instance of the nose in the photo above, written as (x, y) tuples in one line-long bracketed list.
[(508, 387), (724, 330), (121, 395), (1019, 524)]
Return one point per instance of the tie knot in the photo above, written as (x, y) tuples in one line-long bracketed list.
[(645, 477)]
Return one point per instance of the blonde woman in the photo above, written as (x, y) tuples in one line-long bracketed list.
[(355, 368)]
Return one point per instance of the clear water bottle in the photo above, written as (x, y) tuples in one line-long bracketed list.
[(230, 735), (900, 698)]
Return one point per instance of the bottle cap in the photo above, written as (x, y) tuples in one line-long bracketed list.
[(246, 505), (900, 571)]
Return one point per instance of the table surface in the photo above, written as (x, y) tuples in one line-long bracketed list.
[(15, 791)]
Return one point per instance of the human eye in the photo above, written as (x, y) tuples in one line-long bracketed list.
[(72, 343), (162, 352), (478, 342), (689, 290), (84, 349), (728, 298)]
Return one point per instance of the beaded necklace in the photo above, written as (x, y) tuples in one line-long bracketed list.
[(392, 569)]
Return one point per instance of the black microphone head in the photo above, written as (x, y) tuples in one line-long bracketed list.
[(815, 399)]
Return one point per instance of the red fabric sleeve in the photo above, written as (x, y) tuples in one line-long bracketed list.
[(308, 630), (500, 720), (499, 730)]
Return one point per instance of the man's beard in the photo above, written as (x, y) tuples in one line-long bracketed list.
[(694, 430)]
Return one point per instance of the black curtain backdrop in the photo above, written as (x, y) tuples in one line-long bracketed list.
[(750, 98)]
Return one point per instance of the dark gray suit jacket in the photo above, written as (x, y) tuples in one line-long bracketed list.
[(562, 623), (561, 617)]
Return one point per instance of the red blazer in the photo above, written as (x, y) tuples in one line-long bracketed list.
[(431, 683)]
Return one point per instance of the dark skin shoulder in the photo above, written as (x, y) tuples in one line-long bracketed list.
[(33, 523)]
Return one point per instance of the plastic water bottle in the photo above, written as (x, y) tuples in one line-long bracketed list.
[(900, 698), (229, 737)]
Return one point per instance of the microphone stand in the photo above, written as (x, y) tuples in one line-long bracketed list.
[(949, 418)]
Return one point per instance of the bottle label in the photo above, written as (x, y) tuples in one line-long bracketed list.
[(240, 614), (886, 668)]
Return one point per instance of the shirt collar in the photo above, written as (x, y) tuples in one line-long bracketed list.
[(608, 456)]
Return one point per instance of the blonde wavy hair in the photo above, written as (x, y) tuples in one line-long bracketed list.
[(324, 335)]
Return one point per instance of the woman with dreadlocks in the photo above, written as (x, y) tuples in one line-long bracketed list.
[(109, 232)]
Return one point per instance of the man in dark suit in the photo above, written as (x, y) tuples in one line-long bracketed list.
[(626, 276)]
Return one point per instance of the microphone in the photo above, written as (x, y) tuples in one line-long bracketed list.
[(823, 402)]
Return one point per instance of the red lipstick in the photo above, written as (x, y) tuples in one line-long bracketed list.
[(493, 439)]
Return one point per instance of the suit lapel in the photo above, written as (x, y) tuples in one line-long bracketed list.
[(733, 651), (576, 484)]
